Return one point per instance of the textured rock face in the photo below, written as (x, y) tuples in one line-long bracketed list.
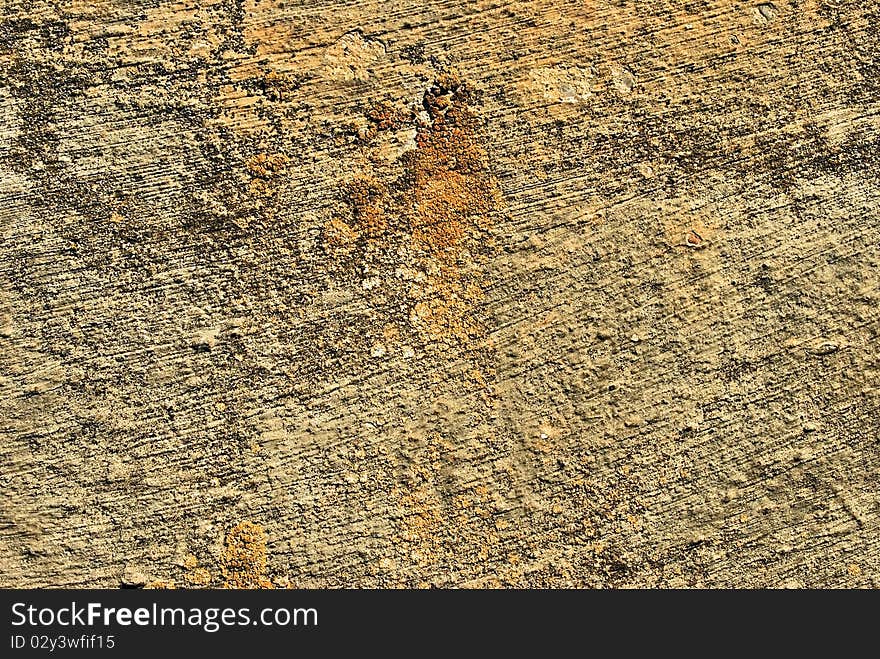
[(526, 293)]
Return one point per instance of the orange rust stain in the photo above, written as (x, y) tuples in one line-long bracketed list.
[(383, 116), (435, 216), (266, 169), (339, 234), (267, 165), (694, 239), (242, 565), (453, 194), (244, 560), (369, 200)]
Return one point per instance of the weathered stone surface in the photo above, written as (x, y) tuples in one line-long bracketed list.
[(407, 293)]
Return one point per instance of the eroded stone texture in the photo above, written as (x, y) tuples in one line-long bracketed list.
[(406, 293)]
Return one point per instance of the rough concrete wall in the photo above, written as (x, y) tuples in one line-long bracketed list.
[(520, 293)]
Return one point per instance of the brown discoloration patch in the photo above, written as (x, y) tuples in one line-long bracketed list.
[(693, 239), (266, 170), (436, 217), (338, 235), (196, 576), (242, 564), (383, 116), (267, 165), (369, 200), (244, 561), (453, 195), (451, 202)]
